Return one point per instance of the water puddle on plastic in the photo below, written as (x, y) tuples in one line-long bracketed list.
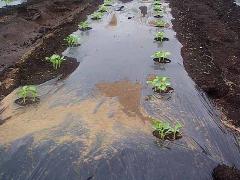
[(94, 124)]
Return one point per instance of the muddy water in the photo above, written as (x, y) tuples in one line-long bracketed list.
[(94, 124), (14, 2)]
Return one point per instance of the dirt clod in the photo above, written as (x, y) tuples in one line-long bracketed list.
[(223, 172)]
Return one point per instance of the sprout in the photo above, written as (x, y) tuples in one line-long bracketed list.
[(107, 2), (157, 3), (157, 8), (102, 9), (84, 25), (160, 36), (158, 14), (7, 1), (163, 128), (97, 15), (160, 83), (161, 55), (72, 40), (56, 60), (160, 23), (28, 92), (176, 129)]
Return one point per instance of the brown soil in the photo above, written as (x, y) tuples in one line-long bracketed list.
[(209, 31), (33, 31), (223, 172)]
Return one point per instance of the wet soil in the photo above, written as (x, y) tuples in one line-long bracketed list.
[(209, 31), (33, 31), (168, 90), (169, 137), (162, 60), (223, 172), (161, 40), (28, 101)]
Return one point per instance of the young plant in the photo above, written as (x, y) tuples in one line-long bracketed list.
[(72, 40), (160, 23), (157, 8), (84, 26), (163, 128), (161, 55), (28, 92), (160, 36), (97, 15), (107, 3), (103, 9), (176, 129), (158, 14), (157, 3), (160, 83), (56, 60), (7, 1)]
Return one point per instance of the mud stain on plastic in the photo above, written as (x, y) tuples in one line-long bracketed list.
[(113, 21), (108, 116), (143, 10), (128, 94)]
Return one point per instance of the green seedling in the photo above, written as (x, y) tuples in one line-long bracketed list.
[(157, 8), (158, 14), (157, 3), (160, 23), (160, 36), (7, 1), (102, 9), (107, 2), (160, 83), (176, 129), (97, 15), (28, 92), (161, 55), (72, 40), (163, 128), (56, 60), (84, 25)]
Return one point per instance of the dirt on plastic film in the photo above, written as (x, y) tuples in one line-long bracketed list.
[(85, 127), (102, 112)]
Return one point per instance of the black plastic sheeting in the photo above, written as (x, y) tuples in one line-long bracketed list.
[(110, 54)]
